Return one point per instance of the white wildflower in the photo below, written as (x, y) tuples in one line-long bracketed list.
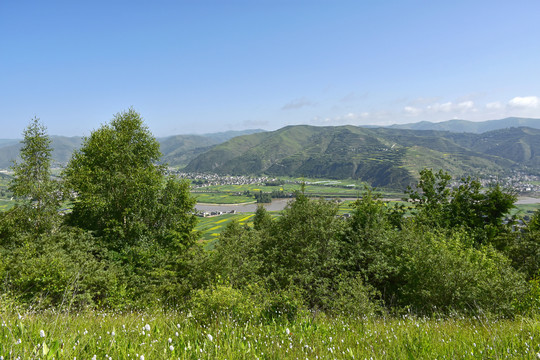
[(171, 348), (170, 340), (42, 333), (287, 331), (210, 337), (147, 327)]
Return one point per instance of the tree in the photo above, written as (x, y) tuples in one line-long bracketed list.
[(369, 240), (32, 183), (302, 249), (467, 205), (122, 194), (431, 195), (262, 219)]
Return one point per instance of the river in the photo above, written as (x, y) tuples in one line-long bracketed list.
[(275, 205)]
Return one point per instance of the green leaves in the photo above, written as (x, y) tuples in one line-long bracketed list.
[(466, 205), (32, 183), (120, 190)]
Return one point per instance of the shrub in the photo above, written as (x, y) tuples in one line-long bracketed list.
[(529, 303), (443, 272), (354, 298), (209, 304)]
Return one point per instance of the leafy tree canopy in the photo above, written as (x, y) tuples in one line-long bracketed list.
[(32, 183), (121, 192), (465, 205)]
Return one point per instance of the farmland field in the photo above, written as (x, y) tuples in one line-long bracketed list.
[(221, 198), (211, 227), (6, 204), (234, 194)]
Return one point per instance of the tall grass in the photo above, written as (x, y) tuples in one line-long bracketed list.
[(177, 335)]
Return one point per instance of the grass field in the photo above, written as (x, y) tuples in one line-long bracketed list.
[(6, 204), (525, 209), (137, 335), (336, 188), (221, 198)]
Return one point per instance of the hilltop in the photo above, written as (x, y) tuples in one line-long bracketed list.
[(471, 126), (177, 150)]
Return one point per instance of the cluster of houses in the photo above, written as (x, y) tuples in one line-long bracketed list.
[(214, 213), (518, 181), (199, 180)]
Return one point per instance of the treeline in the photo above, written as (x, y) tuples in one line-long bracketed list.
[(266, 197), (128, 241)]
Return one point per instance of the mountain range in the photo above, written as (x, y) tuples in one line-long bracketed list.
[(471, 126), (177, 150), (383, 157), (388, 157)]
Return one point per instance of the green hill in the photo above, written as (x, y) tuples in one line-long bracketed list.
[(177, 150), (62, 148), (384, 157)]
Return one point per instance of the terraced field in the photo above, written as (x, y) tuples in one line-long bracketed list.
[(6, 205), (211, 227)]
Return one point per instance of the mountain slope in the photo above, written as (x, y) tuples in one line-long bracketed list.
[(62, 149), (177, 150), (384, 157)]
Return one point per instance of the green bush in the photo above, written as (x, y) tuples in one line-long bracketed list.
[(441, 272), (529, 303), (62, 269), (209, 304), (282, 306), (354, 298)]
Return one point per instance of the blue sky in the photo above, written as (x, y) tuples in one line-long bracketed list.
[(202, 66)]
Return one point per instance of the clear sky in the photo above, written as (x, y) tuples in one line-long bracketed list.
[(200, 66)]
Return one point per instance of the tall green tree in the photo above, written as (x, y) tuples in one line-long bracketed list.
[(467, 205), (121, 193), (32, 184), (431, 196), (302, 249)]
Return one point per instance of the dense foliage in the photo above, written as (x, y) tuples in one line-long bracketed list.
[(128, 240), (127, 237)]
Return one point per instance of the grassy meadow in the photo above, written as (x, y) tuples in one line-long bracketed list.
[(177, 335)]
